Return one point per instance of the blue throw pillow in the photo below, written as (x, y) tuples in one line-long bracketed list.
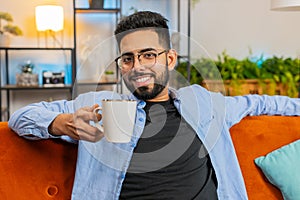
[(282, 168)]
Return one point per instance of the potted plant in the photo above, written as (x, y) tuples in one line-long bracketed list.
[(243, 76), (283, 73), (7, 28), (27, 77), (96, 4), (203, 71), (240, 76), (110, 76)]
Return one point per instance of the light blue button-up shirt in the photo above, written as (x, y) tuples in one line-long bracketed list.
[(101, 166)]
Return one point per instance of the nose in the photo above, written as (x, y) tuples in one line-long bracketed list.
[(137, 65)]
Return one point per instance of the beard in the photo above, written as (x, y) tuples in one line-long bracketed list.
[(146, 93)]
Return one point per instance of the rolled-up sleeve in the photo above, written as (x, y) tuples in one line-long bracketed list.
[(32, 121)]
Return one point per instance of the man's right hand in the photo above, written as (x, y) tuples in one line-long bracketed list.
[(77, 125)]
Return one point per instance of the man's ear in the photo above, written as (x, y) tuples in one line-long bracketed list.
[(172, 59)]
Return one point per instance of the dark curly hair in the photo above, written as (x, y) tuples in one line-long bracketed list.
[(144, 20)]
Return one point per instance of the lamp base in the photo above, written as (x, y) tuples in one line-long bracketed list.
[(53, 38)]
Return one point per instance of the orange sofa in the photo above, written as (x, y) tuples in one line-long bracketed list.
[(45, 169)]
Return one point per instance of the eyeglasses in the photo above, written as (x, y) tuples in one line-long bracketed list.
[(147, 58)]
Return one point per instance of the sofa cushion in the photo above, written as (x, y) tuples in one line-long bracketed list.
[(281, 167), (257, 136), (26, 167)]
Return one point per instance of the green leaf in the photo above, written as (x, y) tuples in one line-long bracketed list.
[(14, 30), (6, 16)]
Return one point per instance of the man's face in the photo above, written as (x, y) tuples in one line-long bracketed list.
[(146, 82)]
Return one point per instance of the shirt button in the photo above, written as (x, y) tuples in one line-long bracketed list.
[(122, 175), (132, 145)]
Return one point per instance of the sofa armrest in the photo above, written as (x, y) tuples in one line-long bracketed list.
[(258, 136), (35, 170)]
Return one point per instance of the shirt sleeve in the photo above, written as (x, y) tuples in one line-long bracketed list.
[(253, 105), (32, 121)]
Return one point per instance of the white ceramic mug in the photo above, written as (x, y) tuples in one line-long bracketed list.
[(118, 118)]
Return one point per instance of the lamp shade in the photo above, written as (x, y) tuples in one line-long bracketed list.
[(285, 5), (49, 17)]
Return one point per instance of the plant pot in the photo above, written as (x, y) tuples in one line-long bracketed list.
[(98, 4), (110, 77), (244, 87), (27, 79), (4, 40)]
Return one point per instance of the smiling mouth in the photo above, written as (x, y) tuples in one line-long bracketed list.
[(142, 80)]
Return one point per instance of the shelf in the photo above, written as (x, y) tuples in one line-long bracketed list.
[(116, 12), (182, 56), (88, 10), (38, 87), (97, 83), (35, 48)]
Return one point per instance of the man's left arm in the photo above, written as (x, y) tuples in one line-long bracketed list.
[(240, 106)]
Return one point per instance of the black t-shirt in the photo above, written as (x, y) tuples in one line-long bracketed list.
[(169, 161)]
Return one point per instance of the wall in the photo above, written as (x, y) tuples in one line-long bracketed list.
[(237, 25), (216, 25), (23, 13)]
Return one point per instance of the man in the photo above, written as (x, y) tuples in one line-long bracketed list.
[(181, 147)]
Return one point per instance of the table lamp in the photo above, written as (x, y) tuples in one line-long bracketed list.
[(49, 19), (285, 5)]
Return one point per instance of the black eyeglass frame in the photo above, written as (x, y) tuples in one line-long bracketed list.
[(138, 56)]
